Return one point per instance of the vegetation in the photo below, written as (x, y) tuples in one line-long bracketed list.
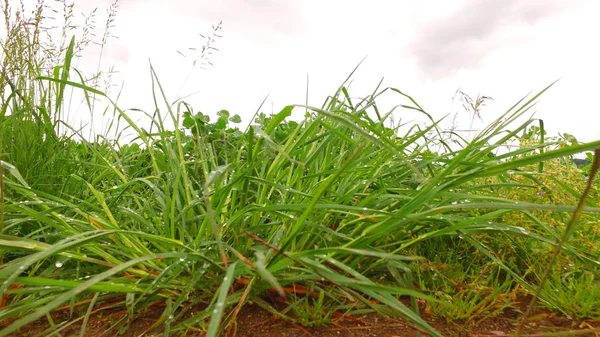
[(341, 212)]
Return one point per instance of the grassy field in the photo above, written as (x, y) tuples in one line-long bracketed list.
[(342, 206)]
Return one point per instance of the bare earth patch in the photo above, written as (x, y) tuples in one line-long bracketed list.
[(253, 321)]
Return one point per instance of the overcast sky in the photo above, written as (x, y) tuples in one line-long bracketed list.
[(428, 49)]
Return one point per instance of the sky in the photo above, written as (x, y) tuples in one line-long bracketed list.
[(504, 49)]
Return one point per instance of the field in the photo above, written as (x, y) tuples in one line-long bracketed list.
[(314, 223)]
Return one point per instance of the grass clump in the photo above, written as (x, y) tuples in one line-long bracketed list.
[(343, 205)]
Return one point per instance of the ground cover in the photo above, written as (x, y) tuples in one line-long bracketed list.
[(317, 226)]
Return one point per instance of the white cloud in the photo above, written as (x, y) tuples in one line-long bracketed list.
[(463, 38)]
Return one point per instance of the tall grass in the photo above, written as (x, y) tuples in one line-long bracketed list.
[(203, 215)]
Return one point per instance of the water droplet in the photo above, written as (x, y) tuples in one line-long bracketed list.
[(224, 278), (58, 264), (182, 259), (365, 209)]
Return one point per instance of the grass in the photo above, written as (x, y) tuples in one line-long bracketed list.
[(339, 212)]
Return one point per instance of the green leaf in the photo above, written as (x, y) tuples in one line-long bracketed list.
[(188, 122), (277, 119), (221, 124), (219, 307), (223, 114)]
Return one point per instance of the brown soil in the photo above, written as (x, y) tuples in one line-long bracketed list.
[(252, 321)]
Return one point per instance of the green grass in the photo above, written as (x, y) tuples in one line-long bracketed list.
[(362, 212)]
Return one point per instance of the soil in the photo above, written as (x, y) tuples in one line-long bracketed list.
[(253, 321)]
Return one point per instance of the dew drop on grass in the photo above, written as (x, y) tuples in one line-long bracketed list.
[(58, 264), (224, 278), (215, 311), (182, 259), (365, 209)]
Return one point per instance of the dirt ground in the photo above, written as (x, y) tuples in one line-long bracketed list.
[(253, 321)]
